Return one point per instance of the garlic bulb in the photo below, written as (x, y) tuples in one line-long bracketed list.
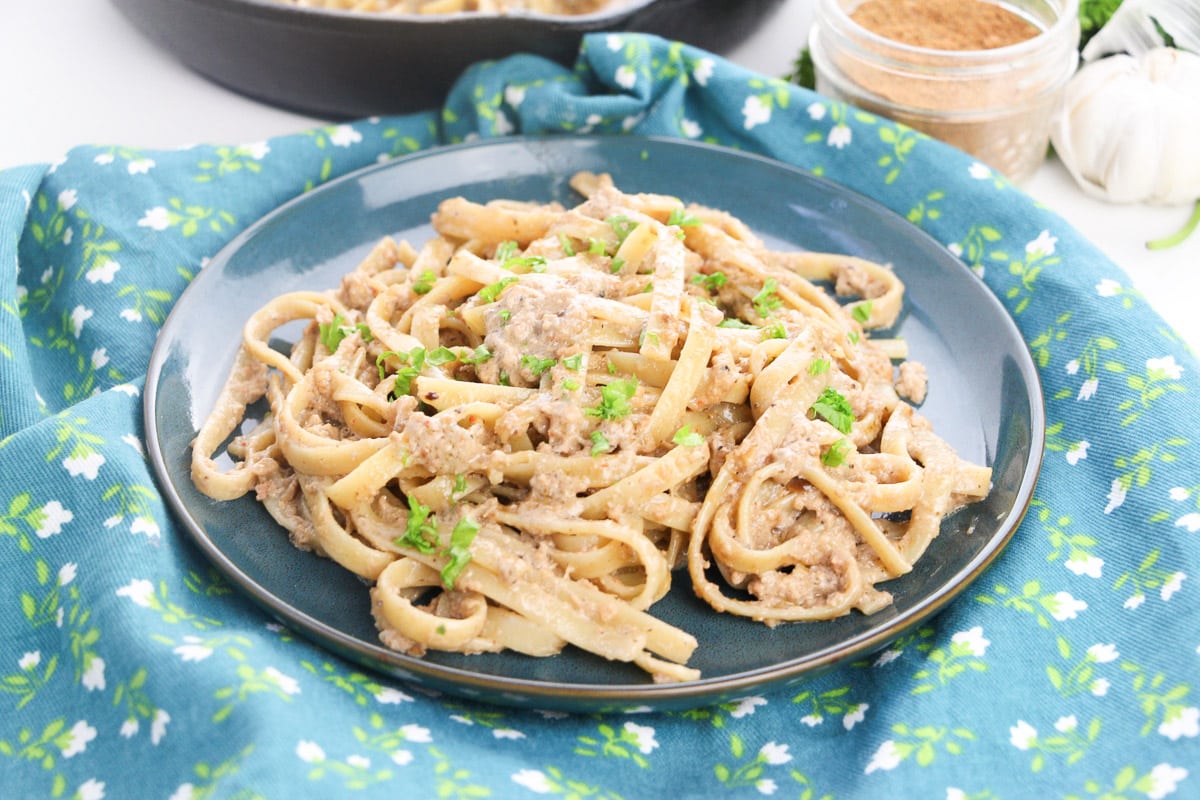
[(1129, 127), (1138, 25)]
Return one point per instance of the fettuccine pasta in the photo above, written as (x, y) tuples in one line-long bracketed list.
[(518, 433), (554, 7)]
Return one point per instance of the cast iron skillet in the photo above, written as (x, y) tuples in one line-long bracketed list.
[(342, 64)]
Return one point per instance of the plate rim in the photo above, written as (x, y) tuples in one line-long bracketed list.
[(532, 693)]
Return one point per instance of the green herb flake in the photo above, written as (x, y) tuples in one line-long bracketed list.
[(775, 330), (565, 243), (411, 363), (505, 316), (424, 283), (818, 366), (680, 217), (686, 437), (440, 356), (834, 408), (478, 356), (574, 362), (504, 379), (531, 263), (835, 456), (332, 334), (597, 247), (766, 300), (420, 532), (538, 366), (505, 251), (861, 312), (734, 322), (616, 265), (614, 399), (459, 551), (460, 486), (570, 384), (622, 226), (600, 443), (489, 293), (712, 282)]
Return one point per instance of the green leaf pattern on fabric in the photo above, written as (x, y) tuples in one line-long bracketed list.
[(130, 668)]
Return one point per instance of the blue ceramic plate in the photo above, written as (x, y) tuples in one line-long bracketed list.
[(984, 398)]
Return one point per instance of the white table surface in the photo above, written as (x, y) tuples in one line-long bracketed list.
[(75, 72)]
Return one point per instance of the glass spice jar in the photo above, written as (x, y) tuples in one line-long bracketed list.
[(996, 103)]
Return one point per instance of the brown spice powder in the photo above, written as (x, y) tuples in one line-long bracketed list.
[(944, 24)]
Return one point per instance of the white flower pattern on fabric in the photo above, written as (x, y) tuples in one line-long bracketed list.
[(309, 752), (140, 591), (1089, 566), (1066, 607), (973, 640), (54, 516), (156, 219), (1165, 780), (755, 112), (77, 739), (643, 737), (1184, 724), (625, 77), (534, 780), (1116, 496), (87, 465), (703, 70), (344, 136), (886, 757), (1022, 735), (774, 753)]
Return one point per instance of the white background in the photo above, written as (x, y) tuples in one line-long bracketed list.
[(75, 72)]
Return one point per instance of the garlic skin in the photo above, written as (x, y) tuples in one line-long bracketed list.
[(1128, 129)]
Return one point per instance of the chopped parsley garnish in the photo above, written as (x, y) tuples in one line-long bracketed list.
[(600, 443), (687, 437), (440, 356), (480, 355), (460, 486), (622, 226), (711, 282), (564, 242), (505, 316), (537, 365), (332, 334), (531, 263), (835, 409), (775, 330), (505, 251), (818, 366), (649, 288), (459, 551), (424, 282), (597, 247), (862, 311), (411, 364), (766, 300), (570, 384), (614, 399), (853, 337), (420, 533), (616, 265), (504, 379), (680, 217), (733, 322), (489, 293), (574, 362), (835, 456)]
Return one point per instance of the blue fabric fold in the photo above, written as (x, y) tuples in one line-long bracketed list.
[(130, 668)]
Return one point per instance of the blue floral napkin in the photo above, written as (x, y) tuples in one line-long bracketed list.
[(130, 669)]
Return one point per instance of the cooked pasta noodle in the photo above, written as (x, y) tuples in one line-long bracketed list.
[(519, 432)]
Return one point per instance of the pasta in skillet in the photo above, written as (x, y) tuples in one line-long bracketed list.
[(518, 432), (556, 7)]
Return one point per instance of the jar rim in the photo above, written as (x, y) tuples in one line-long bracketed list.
[(1068, 17)]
